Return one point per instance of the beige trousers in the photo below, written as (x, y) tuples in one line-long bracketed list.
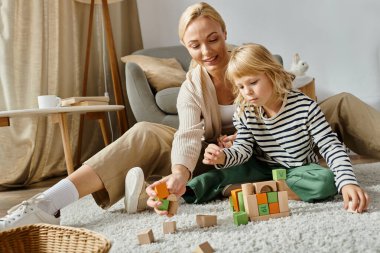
[(356, 123), (146, 145)]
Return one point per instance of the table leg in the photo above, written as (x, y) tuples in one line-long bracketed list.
[(101, 118), (61, 118)]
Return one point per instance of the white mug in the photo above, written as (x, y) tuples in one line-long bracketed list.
[(48, 101)]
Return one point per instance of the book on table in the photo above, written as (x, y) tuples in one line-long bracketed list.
[(85, 101)]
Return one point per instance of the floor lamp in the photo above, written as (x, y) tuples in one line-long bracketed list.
[(116, 82)]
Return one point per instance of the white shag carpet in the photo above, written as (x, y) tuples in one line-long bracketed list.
[(320, 227)]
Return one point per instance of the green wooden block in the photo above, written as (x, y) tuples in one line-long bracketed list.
[(240, 218), (272, 197), (279, 174), (165, 205), (241, 201), (263, 209)]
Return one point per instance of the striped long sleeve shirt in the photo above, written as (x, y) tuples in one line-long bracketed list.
[(288, 139)]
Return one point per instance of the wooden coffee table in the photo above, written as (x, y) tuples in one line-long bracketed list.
[(59, 115)]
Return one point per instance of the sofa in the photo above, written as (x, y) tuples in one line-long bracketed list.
[(146, 103)]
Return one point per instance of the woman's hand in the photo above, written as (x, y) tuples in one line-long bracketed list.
[(214, 155), (176, 184), (357, 196), (226, 141)]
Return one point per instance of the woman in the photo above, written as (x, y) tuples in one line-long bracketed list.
[(205, 112)]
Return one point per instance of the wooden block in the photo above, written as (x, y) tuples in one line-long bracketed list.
[(250, 204), (281, 185), (262, 198), (206, 220), (247, 189), (283, 201), (279, 174), (261, 218), (4, 121), (240, 218), (169, 227), (164, 206), (272, 197), (265, 186), (172, 197), (280, 215), (241, 201), (274, 208), (231, 203), (173, 208), (204, 248), (161, 191), (235, 199), (263, 209), (146, 236)]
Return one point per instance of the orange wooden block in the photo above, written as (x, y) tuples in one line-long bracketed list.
[(161, 191), (274, 208), (235, 201), (262, 198)]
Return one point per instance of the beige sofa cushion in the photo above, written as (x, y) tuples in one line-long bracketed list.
[(161, 73)]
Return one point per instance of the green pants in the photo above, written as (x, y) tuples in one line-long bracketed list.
[(311, 182)]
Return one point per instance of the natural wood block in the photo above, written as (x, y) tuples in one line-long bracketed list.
[(235, 199), (172, 197), (161, 190), (265, 186), (262, 198), (281, 185), (206, 220), (204, 248), (280, 215), (169, 227), (146, 236), (261, 218), (274, 208), (283, 201), (250, 203), (173, 208), (279, 174), (247, 189)]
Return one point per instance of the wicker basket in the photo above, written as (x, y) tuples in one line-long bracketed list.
[(52, 238)]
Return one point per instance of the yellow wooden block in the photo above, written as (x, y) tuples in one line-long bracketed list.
[(235, 199), (161, 190)]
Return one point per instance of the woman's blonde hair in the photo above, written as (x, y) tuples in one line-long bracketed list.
[(253, 59), (197, 10)]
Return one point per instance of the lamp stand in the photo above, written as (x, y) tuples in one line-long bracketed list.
[(117, 88)]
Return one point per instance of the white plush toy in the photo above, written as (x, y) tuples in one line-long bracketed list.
[(298, 66)]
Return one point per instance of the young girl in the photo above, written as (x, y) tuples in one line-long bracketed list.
[(280, 127)]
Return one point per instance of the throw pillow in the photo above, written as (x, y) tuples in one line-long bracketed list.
[(167, 100), (161, 73)]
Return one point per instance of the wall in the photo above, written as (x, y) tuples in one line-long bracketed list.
[(340, 39)]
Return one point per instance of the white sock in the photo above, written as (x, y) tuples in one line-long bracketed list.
[(59, 195)]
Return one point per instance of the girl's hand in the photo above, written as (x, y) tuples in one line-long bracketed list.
[(176, 184), (357, 196), (225, 141), (214, 155)]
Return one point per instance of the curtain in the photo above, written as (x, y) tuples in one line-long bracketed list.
[(42, 51)]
